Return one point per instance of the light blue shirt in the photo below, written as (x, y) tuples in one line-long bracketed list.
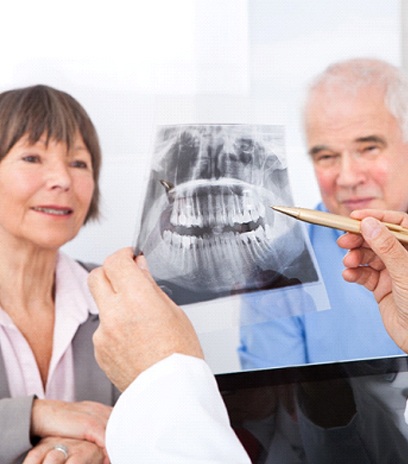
[(351, 329)]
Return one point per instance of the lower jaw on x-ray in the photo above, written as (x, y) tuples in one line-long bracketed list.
[(207, 233)]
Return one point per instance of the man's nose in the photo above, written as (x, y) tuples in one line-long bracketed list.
[(351, 170)]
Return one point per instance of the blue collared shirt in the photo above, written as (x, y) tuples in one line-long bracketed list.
[(351, 329)]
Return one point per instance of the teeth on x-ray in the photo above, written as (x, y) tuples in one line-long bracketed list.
[(210, 223), (213, 220), (216, 207)]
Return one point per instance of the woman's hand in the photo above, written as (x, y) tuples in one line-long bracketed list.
[(79, 452), (84, 420)]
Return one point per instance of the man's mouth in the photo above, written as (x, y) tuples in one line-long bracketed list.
[(356, 203)]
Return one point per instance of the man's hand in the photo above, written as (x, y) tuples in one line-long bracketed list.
[(139, 324), (379, 261)]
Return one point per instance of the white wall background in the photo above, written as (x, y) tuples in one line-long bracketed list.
[(134, 64), (137, 64)]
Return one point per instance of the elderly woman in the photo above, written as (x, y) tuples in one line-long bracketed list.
[(55, 401)]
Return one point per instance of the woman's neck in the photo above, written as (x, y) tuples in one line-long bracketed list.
[(27, 278), (27, 281)]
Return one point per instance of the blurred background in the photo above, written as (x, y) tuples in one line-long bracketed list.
[(136, 64)]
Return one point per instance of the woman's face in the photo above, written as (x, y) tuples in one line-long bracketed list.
[(45, 192)]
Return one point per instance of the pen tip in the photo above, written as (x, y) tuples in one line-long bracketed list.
[(279, 208), (290, 211)]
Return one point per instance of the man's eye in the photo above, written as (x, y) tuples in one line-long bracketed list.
[(325, 159), (31, 158), (370, 150)]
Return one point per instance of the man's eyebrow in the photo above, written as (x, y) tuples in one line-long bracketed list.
[(318, 148), (372, 138)]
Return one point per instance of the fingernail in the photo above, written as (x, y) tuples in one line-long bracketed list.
[(141, 262), (370, 227)]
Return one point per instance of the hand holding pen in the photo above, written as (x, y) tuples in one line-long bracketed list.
[(377, 259), (379, 262), (348, 224)]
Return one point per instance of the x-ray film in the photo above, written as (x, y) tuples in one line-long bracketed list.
[(207, 229)]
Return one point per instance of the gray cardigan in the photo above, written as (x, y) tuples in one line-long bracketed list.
[(90, 384)]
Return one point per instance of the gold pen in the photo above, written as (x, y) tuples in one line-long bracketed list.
[(336, 221)]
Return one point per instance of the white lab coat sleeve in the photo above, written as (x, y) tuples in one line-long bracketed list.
[(173, 413)]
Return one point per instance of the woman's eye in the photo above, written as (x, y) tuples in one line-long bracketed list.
[(31, 158), (79, 164)]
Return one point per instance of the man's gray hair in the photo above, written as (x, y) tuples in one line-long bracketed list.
[(353, 74)]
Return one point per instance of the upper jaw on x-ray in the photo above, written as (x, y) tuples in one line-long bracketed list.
[(207, 228)]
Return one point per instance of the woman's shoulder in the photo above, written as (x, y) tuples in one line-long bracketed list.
[(87, 266), (66, 262)]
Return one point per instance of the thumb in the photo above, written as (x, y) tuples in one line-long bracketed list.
[(386, 246)]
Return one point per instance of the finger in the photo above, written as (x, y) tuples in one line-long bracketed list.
[(120, 268), (43, 453), (141, 261), (385, 245), (363, 276), (36, 455), (98, 280), (362, 257), (349, 240), (108, 281), (101, 290), (393, 217), (124, 271), (55, 456), (353, 258), (142, 264)]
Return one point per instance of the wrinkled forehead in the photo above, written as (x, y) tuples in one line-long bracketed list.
[(340, 101)]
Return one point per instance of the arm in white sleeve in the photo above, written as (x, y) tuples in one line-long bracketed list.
[(173, 413)]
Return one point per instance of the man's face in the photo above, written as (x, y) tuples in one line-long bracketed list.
[(358, 152)]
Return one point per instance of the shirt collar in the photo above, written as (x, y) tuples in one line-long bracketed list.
[(72, 289), (72, 292)]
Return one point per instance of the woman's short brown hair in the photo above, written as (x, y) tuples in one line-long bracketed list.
[(37, 110)]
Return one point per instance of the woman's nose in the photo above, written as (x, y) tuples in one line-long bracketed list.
[(59, 176)]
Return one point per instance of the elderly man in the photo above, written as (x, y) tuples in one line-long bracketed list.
[(356, 126)]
